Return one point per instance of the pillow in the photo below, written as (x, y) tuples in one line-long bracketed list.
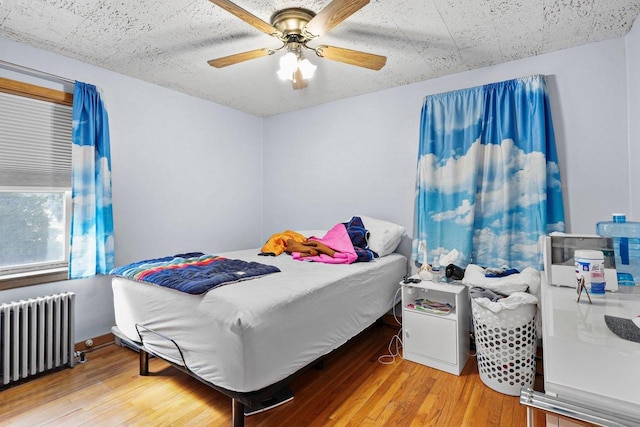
[(312, 233), (384, 236)]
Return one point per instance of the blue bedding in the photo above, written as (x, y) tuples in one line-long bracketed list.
[(194, 273)]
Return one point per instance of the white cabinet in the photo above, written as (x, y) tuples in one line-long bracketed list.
[(430, 336), (574, 336)]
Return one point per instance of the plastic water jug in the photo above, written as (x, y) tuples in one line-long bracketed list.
[(626, 248)]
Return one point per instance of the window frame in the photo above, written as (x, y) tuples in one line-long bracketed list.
[(48, 272)]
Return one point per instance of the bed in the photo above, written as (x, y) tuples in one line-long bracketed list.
[(250, 339)]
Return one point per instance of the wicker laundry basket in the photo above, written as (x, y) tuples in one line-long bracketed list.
[(506, 347)]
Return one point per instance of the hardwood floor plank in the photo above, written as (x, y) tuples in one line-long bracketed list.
[(362, 365), (353, 389), (374, 407), (429, 410), (361, 392), (505, 418), (417, 386)]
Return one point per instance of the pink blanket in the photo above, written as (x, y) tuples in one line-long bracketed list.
[(337, 239)]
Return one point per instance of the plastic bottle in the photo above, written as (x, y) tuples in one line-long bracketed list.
[(436, 270), (590, 267), (626, 248)]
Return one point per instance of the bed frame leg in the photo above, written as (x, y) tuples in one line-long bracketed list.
[(238, 413), (144, 363)]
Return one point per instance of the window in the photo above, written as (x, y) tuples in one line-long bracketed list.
[(35, 183)]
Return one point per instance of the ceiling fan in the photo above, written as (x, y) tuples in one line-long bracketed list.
[(295, 27)]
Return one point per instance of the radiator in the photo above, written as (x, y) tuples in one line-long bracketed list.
[(36, 335)]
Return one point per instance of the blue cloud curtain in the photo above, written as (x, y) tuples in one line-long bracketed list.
[(488, 182), (92, 215)]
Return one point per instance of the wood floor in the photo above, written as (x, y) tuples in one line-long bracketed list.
[(353, 389)]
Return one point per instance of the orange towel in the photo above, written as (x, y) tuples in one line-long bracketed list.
[(278, 242)]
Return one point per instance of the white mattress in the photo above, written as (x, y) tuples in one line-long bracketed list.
[(248, 335)]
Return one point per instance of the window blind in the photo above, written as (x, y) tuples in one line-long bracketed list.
[(35, 142)]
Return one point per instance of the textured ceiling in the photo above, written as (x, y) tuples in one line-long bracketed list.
[(168, 42)]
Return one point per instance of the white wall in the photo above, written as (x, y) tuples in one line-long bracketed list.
[(326, 163), (356, 156), (633, 82), (187, 176)]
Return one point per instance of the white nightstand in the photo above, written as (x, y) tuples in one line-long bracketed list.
[(440, 341)]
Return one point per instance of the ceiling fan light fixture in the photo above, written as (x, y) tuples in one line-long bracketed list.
[(307, 68), (284, 75), (288, 65), (292, 64)]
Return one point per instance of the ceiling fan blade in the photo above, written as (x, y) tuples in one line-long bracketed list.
[(247, 17), (333, 14), (239, 57), (352, 57)]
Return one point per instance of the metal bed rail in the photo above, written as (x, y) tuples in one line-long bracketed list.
[(534, 400), (239, 400)]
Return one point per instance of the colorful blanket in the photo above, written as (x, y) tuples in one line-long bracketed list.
[(194, 273)]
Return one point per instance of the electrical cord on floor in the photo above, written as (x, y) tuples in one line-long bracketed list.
[(388, 359)]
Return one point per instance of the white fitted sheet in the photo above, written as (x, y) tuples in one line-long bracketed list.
[(248, 335)]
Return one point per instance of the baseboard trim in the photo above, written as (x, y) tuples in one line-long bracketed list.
[(98, 342)]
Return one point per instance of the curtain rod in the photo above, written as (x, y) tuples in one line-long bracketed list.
[(39, 73)]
